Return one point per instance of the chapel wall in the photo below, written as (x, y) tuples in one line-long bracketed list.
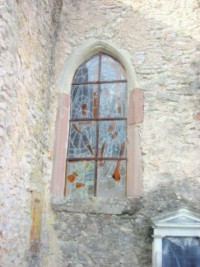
[(161, 39)]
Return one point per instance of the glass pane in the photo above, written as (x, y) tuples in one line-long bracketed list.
[(82, 139), (111, 178), (112, 139), (181, 252), (88, 71), (113, 100), (80, 178), (84, 101), (111, 69)]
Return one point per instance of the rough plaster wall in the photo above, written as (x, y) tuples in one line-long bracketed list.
[(27, 34), (162, 38)]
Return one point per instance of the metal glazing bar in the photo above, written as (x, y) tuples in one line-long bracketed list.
[(99, 82), (96, 158), (97, 128), (100, 119)]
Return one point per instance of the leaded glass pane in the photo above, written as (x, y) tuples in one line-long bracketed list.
[(181, 252), (82, 139), (84, 99), (113, 100), (88, 71), (80, 178), (111, 69), (112, 138), (91, 106), (111, 178)]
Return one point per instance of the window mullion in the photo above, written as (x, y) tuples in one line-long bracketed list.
[(97, 127)]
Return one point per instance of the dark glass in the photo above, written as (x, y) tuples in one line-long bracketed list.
[(181, 252)]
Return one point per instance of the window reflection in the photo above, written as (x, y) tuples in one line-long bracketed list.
[(181, 252)]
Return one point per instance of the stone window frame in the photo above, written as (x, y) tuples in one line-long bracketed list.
[(134, 115), (182, 222)]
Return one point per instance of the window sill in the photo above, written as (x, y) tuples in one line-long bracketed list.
[(96, 205)]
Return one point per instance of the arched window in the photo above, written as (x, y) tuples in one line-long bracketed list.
[(96, 156), (92, 134)]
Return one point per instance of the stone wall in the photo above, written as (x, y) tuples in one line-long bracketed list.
[(103, 233), (27, 37), (162, 41)]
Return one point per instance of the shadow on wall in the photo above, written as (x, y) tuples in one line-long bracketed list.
[(93, 239)]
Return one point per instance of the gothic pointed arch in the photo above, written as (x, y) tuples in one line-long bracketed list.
[(134, 115)]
